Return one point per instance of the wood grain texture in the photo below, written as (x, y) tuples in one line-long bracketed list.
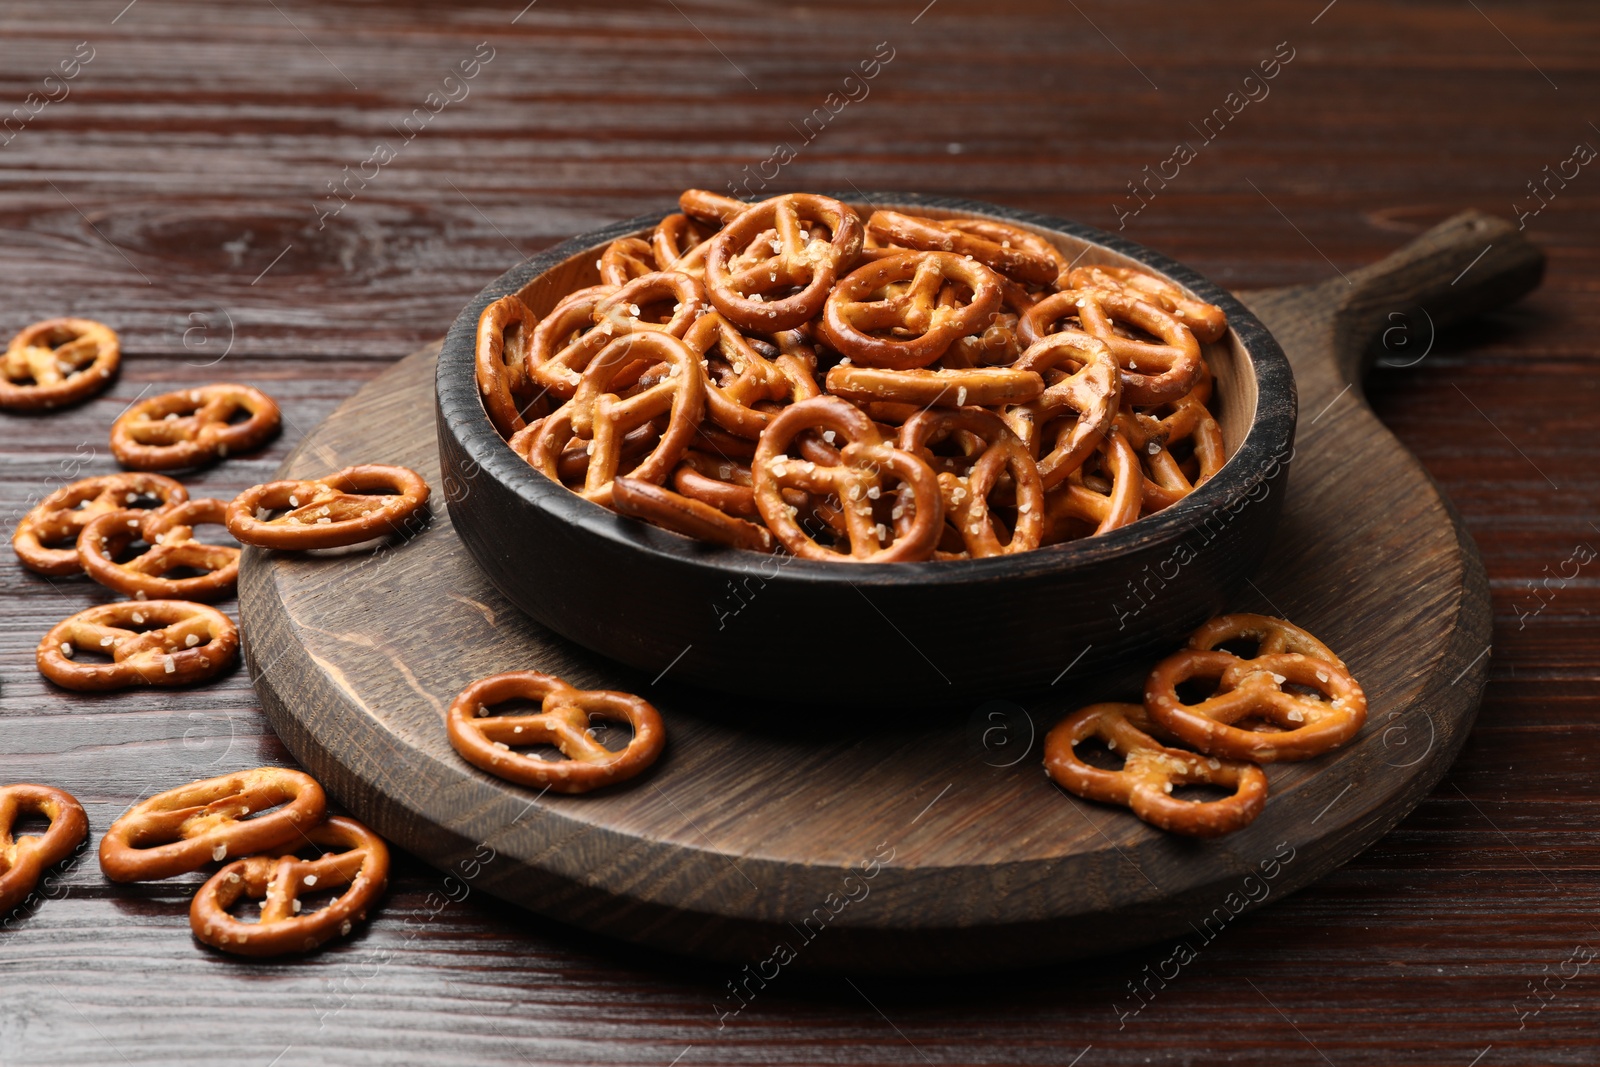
[(223, 121)]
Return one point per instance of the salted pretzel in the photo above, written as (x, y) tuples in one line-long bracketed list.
[(680, 243), (966, 497), (1071, 418), (347, 507), (46, 540), (859, 480), (566, 340), (1149, 772), (193, 426), (998, 344), (923, 387), (711, 207), (23, 860), (719, 481), (625, 259), (597, 416), (686, 515), (760, 294), (1106, 492), (563, 720), (1207, 321), (232, 815), (1270, 636), (169, 533), (1153, 372), (150, 642), (56, 362), (353, 856), (871, 324), (1253, 715), (740, 377), (1012, 251), (1153, 435), (505, 335)]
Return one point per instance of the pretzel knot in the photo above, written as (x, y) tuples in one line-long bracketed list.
[(361, 862), (1153, 436), (1077, 408), (682, 244), (1001, 463), (24, 860), (626, 259), (1012, 251), (563, 720), (686, 515), (169, 533), (505, 333), (771, 249), (1207, 321), (193, 426), (1150, 771), (183, 829), (56, 362), (176, 643), (1271, 637), (858, 482), (600, 419), (1156, 371), (874, 320), (1253, 714), (1106, 492), (46, 539), (740, 377), (346, 508)]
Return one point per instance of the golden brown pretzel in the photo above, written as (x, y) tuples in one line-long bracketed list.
[(625, 259), (1271, 637), (360, 862), (856, 481), (625, 310), (741, 377), (795, 258), (719, 481), (1012, 251), (1149, 772), (1153, 372), (1106, 492), (978, 386), (912, 327), (686, 515), (1166, 481), (1207, 321), (485, 740), (180, 643), (566, 340), (1078, 407), (345, 508), (24, 860), (184, 829), (170, 535), (680, 243), (56, 362), (46, 540), (966, 495), (1252, 715), (505, 336), (191, 427), (600, 419), (710, 207)]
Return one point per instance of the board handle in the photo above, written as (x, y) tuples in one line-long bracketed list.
[(1469, 264)]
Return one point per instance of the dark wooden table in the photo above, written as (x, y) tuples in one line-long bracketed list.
[(210, 183)]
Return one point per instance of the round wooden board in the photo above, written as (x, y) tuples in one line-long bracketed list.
[(921, 842)]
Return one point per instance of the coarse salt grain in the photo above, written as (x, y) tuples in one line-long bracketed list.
[(883, 533), (828, 436), (191, 640), (309, 880), (502, 744), (874, 493), (344, 928), (961, 396), (66, 649), (169, 665), (138, 616), (220, 852), (106, 641)]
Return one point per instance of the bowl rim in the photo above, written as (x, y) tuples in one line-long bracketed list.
[(1268, 441)]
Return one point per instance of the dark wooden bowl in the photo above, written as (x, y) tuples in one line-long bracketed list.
[(901, 634)]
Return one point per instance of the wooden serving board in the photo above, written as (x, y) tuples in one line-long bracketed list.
[(825, 838)]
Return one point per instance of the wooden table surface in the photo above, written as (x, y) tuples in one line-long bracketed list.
[(211, 184)]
